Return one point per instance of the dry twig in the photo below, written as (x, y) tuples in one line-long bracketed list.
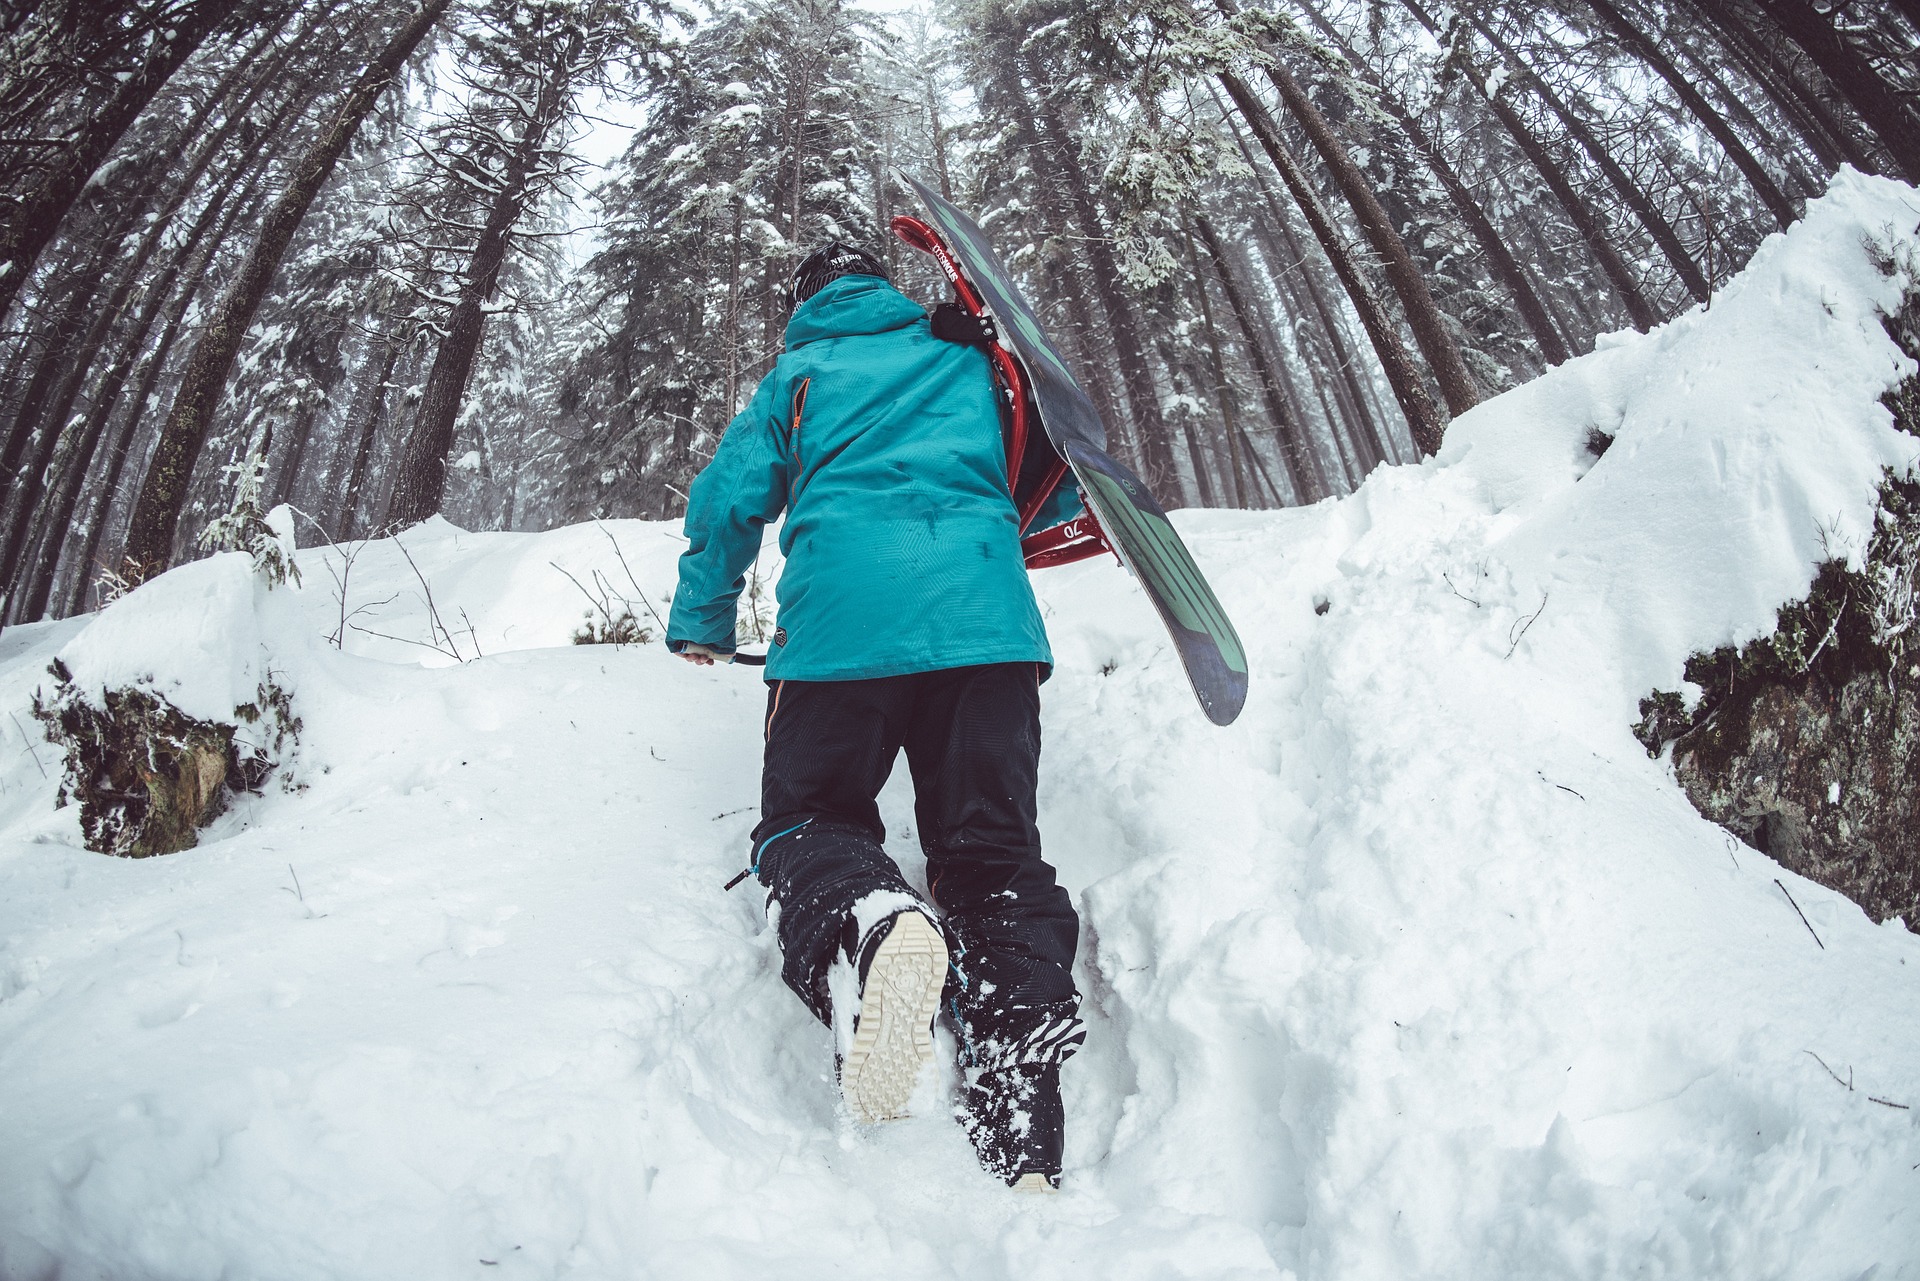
[(437, 631), (1802, 915), (340, 576), (631, 579), (1457, 592), (1525, 625), (1848, 1083), (28, 739), (302, 895)]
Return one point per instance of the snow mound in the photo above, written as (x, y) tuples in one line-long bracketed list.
[(1421, 969), (202, 637)]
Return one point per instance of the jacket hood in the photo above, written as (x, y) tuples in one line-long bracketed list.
[(851, 305)]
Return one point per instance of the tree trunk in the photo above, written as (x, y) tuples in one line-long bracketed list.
[(939, 136), (1832, 143), (1365, 425), (73, 359), (1629, 191), (1222, 393), (289, 473), (23, 439), (356, 479), (1136, 376), (421, 481), (368, 378), (146, 380), (1707, 71), (732, 335), (1259, 466), (1500, 260), (1179, 374), (1094, 345), (1094, 357), (1348, 422), (1352, 469), (1294, 273), (1196, 457), (1895, 124), (157, 514), (33, 591), (164, 166), (1648, 52), (31, 222), (1423, 316), (169, 165), (1585, 220), (1304, 472), (1423, 416)]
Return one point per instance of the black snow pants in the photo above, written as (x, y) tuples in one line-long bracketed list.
[(972, 738)]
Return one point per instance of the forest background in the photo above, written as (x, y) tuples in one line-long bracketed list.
[(520, 263)]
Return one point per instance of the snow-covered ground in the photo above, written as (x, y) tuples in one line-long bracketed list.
[(1421, 969)]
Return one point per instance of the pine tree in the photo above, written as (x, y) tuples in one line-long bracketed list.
[(757, 150), (151, 533)]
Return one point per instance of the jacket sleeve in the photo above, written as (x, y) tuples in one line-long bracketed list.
[(732, 500)]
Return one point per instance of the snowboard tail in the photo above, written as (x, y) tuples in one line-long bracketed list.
[(1138, 528), (1126, 518)]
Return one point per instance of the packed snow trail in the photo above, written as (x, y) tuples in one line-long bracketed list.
[(1421, 969)]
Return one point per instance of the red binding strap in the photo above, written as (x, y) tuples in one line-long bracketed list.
[(1078, 539)]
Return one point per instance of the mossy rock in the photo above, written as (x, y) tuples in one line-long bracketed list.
[(146, 775), (1824, 778), (1806, 742)]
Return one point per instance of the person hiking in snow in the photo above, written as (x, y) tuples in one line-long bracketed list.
[(905, 621)]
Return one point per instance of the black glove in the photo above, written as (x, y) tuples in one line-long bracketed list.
[(954, 323)]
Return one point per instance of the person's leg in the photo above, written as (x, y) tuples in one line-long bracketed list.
[(973, 745), (859, 946), (817, 849), (974, 748)]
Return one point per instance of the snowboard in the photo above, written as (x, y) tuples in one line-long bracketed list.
[(1131, 519)]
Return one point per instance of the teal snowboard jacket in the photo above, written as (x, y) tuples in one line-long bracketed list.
[(882, 445)]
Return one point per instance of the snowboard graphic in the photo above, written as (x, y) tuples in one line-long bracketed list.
[(1132, 521)]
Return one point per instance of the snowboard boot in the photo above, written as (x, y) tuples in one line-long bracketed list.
[(902, 965), (1009, 1101), (1017, 1123)]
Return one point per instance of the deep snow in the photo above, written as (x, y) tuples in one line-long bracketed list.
[(1421, 969)]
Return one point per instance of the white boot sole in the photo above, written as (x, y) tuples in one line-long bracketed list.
[(894, 1038)]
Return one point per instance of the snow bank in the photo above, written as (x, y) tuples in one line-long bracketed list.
[(203, 637), (1422, 969)]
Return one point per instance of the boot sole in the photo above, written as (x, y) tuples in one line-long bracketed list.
[(894, 1038)]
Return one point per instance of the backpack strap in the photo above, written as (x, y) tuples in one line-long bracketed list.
[(967, 320)]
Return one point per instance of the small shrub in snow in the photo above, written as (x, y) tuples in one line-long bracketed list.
[(611, 629), (611, 620), (110, 585), (1892, 574), (1664, 717), (265, 744), (243, 527)]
